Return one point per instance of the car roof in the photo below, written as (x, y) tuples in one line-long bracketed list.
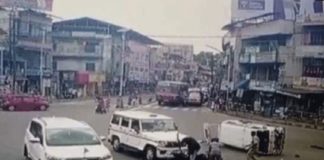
[(141, 115), (62, 122)]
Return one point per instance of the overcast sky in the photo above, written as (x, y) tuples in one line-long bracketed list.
[(156, 17)]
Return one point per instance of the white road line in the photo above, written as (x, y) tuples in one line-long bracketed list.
[(185, 109), (175, 109), (194, 110)]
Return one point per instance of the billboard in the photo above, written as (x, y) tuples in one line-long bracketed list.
[(311, 11), (46, 5), (244, 9)]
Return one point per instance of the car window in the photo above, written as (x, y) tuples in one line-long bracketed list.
[(33, 128), (36, 130), (135, 124), (125, 122), (28, 99), (115, 120)]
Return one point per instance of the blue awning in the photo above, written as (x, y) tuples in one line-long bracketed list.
[(244, 84)]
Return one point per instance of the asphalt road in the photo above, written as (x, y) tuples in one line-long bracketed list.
[(189, 120)]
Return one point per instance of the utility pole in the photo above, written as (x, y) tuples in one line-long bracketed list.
[(41, 77), (12, 45)]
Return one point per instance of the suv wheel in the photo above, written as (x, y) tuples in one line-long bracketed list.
[(116, 144), (11, 108), (42, 108), (150, 153)]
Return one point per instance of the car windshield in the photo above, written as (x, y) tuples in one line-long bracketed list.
[(156, 125), (71, 137)]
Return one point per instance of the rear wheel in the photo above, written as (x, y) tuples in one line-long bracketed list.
[(11, 108)]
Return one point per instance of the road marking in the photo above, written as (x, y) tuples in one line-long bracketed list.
[(174, 109), (194, 110), (185, 109)]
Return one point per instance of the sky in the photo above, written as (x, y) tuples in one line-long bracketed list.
[(157, 17)]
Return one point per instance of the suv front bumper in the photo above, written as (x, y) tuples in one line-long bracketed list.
[(168, 152)]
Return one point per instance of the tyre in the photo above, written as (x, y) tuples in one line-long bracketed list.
[(150, 153), (116, 144), (11, 108), (42, 108)]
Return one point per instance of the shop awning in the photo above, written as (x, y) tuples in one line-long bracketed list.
[(298, 92)]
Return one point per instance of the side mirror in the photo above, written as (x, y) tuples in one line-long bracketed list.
[(34, 140), (103, 138)]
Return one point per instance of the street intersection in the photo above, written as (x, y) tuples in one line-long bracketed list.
[(189, 120)]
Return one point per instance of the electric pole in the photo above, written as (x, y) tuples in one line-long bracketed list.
[(12, 45)]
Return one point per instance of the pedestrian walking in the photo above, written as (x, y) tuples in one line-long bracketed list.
[(253, 146), (214, 151)]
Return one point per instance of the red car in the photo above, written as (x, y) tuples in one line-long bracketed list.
[(24, 103)]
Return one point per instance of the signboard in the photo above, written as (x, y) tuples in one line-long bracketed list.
[(46, 5), (251, 4), (244, 9)]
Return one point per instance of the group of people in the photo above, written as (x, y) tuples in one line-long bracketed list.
[(217, 104)]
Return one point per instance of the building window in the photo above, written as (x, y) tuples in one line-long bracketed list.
[(90, 67), (90, 47), (55, 66)]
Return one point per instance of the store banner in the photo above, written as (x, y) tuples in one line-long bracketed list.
[(46, 5)]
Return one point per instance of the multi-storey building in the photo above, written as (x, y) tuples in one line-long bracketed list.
[(173, 62), (31, 49), (276, 61), (82, 54), (88, 55)]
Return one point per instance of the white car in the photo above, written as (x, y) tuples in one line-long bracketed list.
[(53, 138), (153, 134)]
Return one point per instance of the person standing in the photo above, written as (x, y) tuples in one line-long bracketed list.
[(214, 150), (253, 146)]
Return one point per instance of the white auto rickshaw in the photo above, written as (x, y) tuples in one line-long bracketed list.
[(237, 133)]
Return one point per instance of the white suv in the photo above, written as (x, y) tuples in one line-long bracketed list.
[(155, 135), (63, 139)]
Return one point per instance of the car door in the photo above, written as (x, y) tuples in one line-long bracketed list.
[(27, 102), (125, 129), (134, 133), (39, 147), (31, 134)]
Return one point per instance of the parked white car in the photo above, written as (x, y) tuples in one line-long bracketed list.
[(153, 134), (53, 138)]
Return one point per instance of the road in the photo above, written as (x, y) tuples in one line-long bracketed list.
[(189, 120)]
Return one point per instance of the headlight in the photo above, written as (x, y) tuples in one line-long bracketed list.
[(162, 143), (107, 157)]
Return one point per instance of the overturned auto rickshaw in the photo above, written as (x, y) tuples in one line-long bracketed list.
[(237, 134)]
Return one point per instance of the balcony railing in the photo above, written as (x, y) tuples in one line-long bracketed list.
[(265, 56), (311, 51)]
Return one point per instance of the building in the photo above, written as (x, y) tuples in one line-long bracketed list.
[(173, 62), (277, 61), (88, 56), (82, 54), (28, 50)]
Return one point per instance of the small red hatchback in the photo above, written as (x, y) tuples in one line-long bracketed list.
[(24, 103)]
